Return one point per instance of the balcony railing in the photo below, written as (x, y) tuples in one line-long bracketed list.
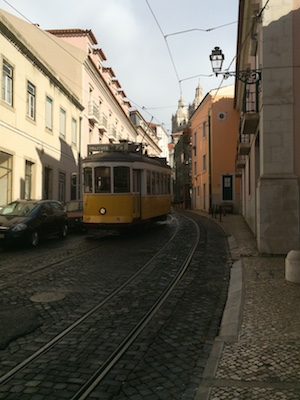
[(103, 123), (240, 162), (93, 112), (243, 147), (112, 134)]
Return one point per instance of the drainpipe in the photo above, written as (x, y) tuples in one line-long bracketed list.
[(79, 162), (209, 161)]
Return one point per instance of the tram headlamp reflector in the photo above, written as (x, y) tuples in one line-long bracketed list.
[(102, 211)]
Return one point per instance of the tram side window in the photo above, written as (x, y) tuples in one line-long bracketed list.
[(148, 182), (102, 180), (161, 184), (157, 186), (87, 179), (167, 184), (121, 179), (164, 184), (153, 188)]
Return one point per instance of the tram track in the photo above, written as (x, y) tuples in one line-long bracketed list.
[(97, 377), (18, 276), (132, 333)]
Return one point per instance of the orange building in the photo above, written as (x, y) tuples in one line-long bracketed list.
[(214, 134)]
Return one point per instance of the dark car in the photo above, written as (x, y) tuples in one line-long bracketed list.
[(75, 215), (31, 220)]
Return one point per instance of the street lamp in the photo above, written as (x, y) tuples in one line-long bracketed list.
[(248, 76), (216, 59)]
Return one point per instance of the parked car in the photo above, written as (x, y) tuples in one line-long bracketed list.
[(75, 215), (32, 220)]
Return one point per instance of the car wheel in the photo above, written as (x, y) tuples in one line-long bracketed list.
[(34, 239), (64, 231)]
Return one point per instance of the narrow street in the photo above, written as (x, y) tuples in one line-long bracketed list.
[(71, 306)]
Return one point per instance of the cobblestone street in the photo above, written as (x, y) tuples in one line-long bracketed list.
[(168, 357)]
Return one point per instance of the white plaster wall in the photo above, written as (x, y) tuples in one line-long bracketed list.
[(29, 140), (278, 187)]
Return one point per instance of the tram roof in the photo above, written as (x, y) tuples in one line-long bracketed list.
[(124, 152)]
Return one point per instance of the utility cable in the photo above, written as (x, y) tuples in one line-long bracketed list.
[(199, 29), (168, 48)]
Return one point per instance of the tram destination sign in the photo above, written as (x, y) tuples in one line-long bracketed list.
[(92, 148), (110, 147)]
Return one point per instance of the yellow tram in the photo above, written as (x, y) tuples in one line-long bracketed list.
[(123, 186)]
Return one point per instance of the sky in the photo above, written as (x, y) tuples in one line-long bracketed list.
[(158, 49)]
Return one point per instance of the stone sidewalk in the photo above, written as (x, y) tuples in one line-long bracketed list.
[(257, 353)]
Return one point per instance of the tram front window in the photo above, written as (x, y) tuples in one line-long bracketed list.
[(121, 180), (102, 180), (87, 178)]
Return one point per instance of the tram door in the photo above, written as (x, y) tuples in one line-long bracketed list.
[(136, 205)]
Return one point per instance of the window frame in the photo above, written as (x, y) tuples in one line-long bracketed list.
[(31, 100), (7, 83), (49, 113), (62, 122)]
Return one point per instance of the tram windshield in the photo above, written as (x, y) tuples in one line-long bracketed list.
[(121, 179), (102, 180)]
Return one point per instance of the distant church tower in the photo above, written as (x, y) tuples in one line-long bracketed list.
[(198, 96), (181, 117)]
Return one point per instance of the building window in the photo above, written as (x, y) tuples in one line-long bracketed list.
[(62, 187), (195, 144), (5, 177), (30, 100), (49, 107), (74, 131), (7, 83), (204, 130), (62, 123), (204, 162)]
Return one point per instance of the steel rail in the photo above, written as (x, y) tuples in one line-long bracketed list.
[(38, 269), (10, 374), (102, 371)]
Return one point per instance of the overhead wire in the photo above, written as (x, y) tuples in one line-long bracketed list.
[(165, 36), (258, 16), (200, 29), (167, 45), (72, 55), (263, 9)]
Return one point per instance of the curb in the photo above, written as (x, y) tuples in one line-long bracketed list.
[(230, 324)]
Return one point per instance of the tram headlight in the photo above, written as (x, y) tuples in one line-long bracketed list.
[(102, 211)]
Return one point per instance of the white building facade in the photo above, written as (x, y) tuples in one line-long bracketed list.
[(39, 121), (65, 100), (268, 149)]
